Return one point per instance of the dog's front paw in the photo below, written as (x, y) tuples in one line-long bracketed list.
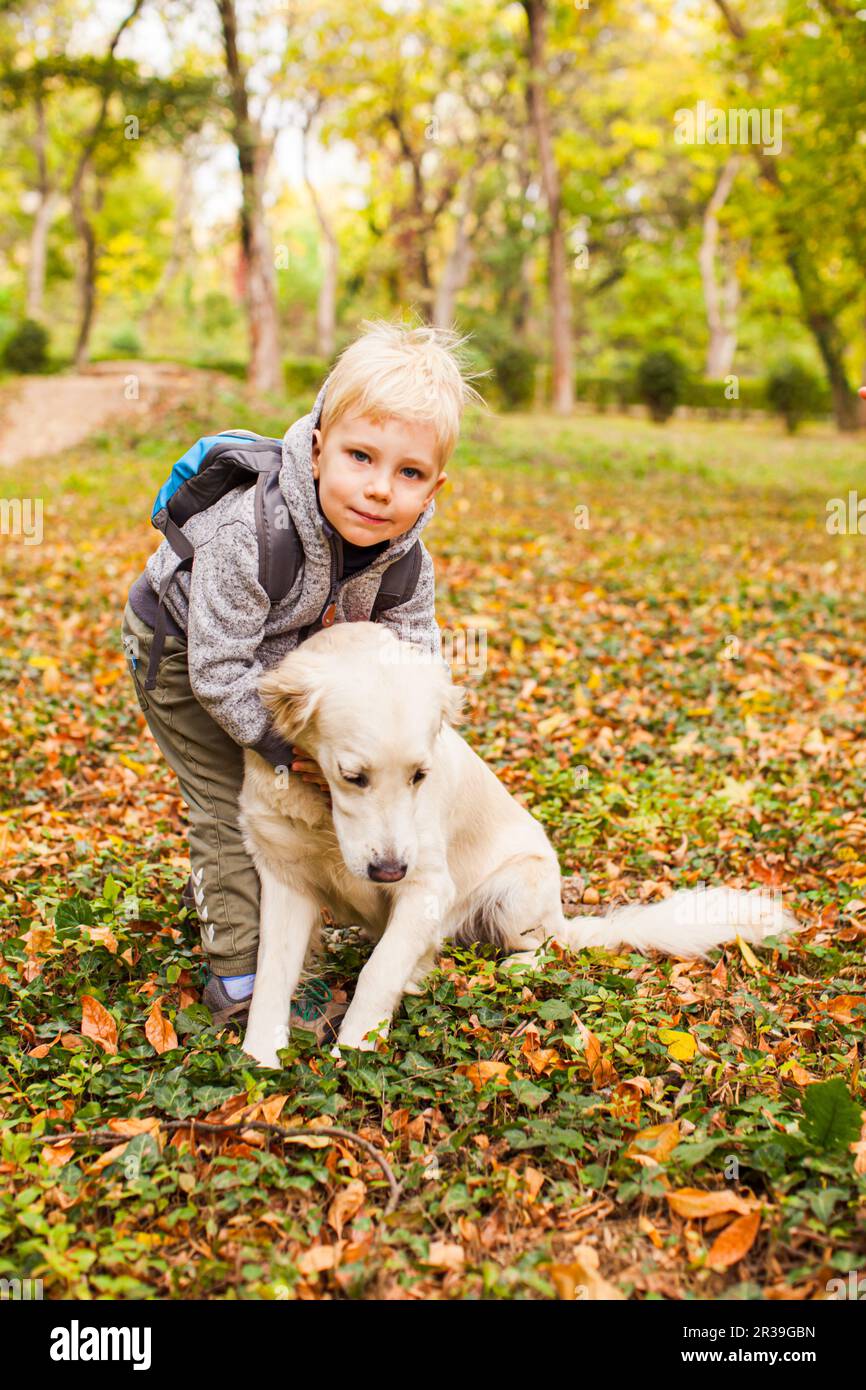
[(360, 1037), (265, 1053)]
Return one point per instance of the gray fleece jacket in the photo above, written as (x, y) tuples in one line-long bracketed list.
[(233, 631)]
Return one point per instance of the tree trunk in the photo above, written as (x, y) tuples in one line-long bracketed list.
[(721, 308), (558, 279), (38, 253), (800, 261), (456, 271), (254, 153), (86, 273), (42, 220), (326, 307)]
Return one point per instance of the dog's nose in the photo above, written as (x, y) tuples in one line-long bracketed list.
[(386, 871)]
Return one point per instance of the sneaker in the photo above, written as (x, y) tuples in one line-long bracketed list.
[(222, 1006), (315, 1008)]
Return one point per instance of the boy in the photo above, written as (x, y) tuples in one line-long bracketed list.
[(358, 476)]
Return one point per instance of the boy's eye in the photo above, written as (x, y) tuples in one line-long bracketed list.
[(409, 469), (355, 455)]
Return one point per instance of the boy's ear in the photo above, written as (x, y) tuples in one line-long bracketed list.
[(291, 701)]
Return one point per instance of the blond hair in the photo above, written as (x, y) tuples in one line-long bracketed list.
[(413, 373)]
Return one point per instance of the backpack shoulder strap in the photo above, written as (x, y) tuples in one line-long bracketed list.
[(398, 582), (279, 545)]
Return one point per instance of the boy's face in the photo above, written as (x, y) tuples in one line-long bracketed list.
[(375, 479)]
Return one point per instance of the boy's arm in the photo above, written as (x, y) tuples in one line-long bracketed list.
[(415, 620), (225, 628)]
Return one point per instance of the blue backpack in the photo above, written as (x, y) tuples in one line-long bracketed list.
[(239, 458)]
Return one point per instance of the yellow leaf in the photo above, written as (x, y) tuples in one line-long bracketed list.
[(553, 721), (737, 793), (681, 1046), (140, 768), (51, 678), (748, 954), (814, 743), (817, 663), (518, 647), (686, 744)]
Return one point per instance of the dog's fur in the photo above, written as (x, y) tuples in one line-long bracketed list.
[(477, 865)]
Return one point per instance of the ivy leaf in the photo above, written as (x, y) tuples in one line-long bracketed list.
[(831, 1119)]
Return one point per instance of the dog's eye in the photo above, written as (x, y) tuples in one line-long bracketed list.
[(358, 781), (419, 776)]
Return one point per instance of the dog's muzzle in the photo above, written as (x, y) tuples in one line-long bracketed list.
[(386, 871)]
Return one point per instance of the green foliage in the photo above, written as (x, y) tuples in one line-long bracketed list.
[(793, 392), (26, 350), (127, 341), (514, 373), (831, 1119), (660, 379), (303, 375)]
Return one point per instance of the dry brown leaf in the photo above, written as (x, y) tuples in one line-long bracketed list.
[(481, 1072), (655, 1144), (580, 1278), (317, 1258), (98, 1024), (445, 1255), (55, 1155), (601, 1071), (346, 1204), (695, 1203), (533, 1180), (734, 1242), (158, 1030), (846, 1008)]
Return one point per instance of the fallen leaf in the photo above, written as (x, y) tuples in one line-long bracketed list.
[(734, 1242), (695, 1204), (681, 1046), (98, 1024), (580, 1278), (158, 1030), (655, 1144), (346, 1204)]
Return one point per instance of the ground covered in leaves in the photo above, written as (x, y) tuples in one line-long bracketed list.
[(665, 664)]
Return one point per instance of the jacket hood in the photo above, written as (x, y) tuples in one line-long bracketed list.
[(298, 488)]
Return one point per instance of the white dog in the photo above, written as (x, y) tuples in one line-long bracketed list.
[(421, 844)]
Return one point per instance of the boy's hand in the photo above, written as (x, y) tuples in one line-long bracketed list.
[(309, 770)]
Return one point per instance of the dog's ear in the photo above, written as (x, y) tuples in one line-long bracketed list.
[(453, 700), (291, 700)]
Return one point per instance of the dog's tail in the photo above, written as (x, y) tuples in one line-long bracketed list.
[(688, 923)]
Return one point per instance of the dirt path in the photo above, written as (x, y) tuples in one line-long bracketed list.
[(42, 414)]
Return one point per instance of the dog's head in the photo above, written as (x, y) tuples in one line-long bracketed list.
[(370, 709)]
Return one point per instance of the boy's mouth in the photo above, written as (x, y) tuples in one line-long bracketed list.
[(365, 516)]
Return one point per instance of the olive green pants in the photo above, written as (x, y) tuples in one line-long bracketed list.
[(210, 769)]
